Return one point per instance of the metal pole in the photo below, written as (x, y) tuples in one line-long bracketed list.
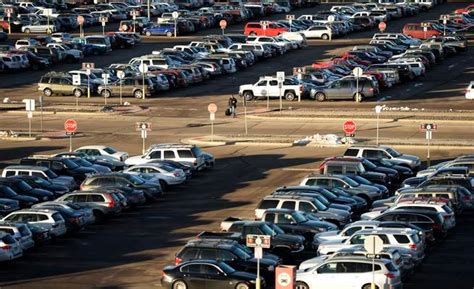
[(88, 86), (70, 141), (222, 31), (212, 130), (373, 270), (175, 28), (105, 87), (245, 119), (120, 92), (29, 124), (281, 96), (148, 9), (357, 89), (9, 25), (41, 112), (144, 92), (143, 141), (377, 139), (428, 161), (103, 28), (268, 101), (257, 282)]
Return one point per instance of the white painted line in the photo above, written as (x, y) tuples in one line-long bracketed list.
[(451, 66), (299, 169), (418, 84)]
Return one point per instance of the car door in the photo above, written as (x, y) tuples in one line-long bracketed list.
[(261, 88), (169, 155), (273, 89), (345, 90), (216, 279), (326, 276), (193, 276), (65, 86), (332, 91)]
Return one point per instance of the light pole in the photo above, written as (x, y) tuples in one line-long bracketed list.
[(265, 93), (378, 110)]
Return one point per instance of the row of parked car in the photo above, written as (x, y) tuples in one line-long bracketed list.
[(320, 225), (47, 197), (389, 59), (171, 68), (41, 52)]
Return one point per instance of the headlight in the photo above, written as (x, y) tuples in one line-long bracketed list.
[(271, 268), (252, 281)]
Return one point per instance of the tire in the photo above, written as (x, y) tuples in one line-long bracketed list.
[(242, 286), (179, 285), (164, 185), (138, 94), (27, 31), (324, 37), (248, 95), (301, 285), (169, 34), (47, 92), (148, 33), (35, 67), (358, 97), (99, 216), (290, 96), (253, 33), (320, 97), (77, 93), (95, 52), (368, 286), (105, 93), (70, 59)]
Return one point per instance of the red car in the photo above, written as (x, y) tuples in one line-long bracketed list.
[(415, 30), (464, 10), (254, 28)]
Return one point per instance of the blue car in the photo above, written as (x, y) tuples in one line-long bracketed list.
[(160, 29)]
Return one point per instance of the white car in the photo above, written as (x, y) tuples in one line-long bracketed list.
[(20, 43), (49, 219), (349, 273), (10, 248), (61, 37), (268, 40), (98, 150), (167, 174), (347, 232), (470, 90), (322, 32), (39, 27)]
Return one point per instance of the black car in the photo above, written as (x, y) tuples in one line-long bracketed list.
[(22, 188), (40, 183), (7, 206), (403, 172), (228, 251), (40, 234), (25, 201), (427, 232), (61, 166), (188, 171), (209, 274), (112, 165)]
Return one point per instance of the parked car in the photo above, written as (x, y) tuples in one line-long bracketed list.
[(48, 218)]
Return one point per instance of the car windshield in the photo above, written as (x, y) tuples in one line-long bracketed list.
[(82, 162), (73, 206), (394, 153), (70, 164), (328, 194), (41, 181), (51, 174), (109, 150), (241, 253), (368, 164), (23, 186), (267, 230), (323, 200), (8, 192), (167, 168), (386, 163), (299, 218), (226, 268), (361, 180), (350, 181), (135, 180), (319, 205)]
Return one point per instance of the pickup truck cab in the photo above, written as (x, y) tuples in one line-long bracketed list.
[(268, 87)]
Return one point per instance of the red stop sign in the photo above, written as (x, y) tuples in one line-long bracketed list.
[(349, 127), (80, 20), (382, 26), (70, 126)]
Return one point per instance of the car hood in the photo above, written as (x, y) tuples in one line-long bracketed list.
[(312, 262), (84, 170), (328, 234), (100, 168), (135, 160), (411, 158), (334, 213), (264, 261), (320, 224), (368, 188), (287, 238), (387, 171)]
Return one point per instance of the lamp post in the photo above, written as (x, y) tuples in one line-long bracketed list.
[(378, 110)]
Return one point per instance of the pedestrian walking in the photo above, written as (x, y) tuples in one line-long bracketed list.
[(233, 106)]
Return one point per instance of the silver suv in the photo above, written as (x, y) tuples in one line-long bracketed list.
[(102, 204), (384, 152), (20, 232)]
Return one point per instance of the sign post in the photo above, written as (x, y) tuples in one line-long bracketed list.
[(29, 107), (76, 81), (445, 21), (264, 25), (425, 26), (9, 12), (378, 110), (144, 128), (223, 25), (48, 12), (120, 75), (382, 26), (134, 14), (265, 93), (87, 66), (373, 245), (80, 20), (143, 69), (331, 19), (258, 242), (105, 77), (41, 111), (212, 108), (175, 16), (290, 19), (103, 20), (280, 79), (357, 72), (70, 126), (429, 128), (245, 116)]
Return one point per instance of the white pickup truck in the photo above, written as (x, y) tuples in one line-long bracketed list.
[(268, 86)]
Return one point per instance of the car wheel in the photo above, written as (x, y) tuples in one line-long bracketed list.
[(290, 96), (320, 96), (368, 286), (358, 97), (301, 285), (253, 33), (138, 94), (27, 31), (248, 95), (77, 93), (179, 285), (148, 33), (105, 93), (99, 216), (242, 286), (169, 34), (163, 185), (35, 67), (95, 52), (47, 92), (324, 37)]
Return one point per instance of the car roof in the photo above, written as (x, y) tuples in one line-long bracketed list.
[(21, 167), (92, 147), (22, 211), (362, 223), (386, 231)]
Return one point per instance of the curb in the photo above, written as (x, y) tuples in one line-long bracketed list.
[(401, 119)]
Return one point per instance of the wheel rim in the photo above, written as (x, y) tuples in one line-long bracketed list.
[(248, 96), (179, 285), (320, 97), (106, 94), (358, 97), (169, 34), (47, 92), (148, 33), (290, 96), (138, 94), (325, 37), (77, 93), (242, 286), (301, 286)]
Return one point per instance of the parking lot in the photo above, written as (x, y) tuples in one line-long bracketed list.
[(129, 251)]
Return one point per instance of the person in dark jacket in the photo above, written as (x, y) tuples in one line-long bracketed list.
[(233, 106)]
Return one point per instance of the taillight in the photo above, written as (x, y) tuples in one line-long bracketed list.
[(111, 202), (436, 227), (81, 187), (467, 198), (6, 247), (447, 217), (390, 275), (412, 246), (177, 261), (301, 88), (371, 89), (176, 174)]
